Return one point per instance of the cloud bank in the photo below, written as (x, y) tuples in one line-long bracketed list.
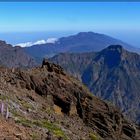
[(39, 42)]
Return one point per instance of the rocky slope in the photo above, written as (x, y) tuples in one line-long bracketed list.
[(112, 74), (14, 56), (81, 42), (45, 103)]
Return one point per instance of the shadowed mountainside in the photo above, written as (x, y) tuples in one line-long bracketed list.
[(112, 74)]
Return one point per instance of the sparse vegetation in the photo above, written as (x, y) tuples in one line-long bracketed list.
[(24, 122), (34, 136), (43, 124), (3, 97), (55, 129), (93, 136), (15, 113), (26, 105)]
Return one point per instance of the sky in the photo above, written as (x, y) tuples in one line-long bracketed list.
[(24, 21)]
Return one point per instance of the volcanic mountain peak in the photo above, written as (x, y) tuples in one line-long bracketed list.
[(113, 50), (90, 33), (118, 48), (111, 56)]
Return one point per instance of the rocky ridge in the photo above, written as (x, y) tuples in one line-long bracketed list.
[(45, 103)]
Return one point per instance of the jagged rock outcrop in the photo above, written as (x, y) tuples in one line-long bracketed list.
[(15, 57), (82, 114)]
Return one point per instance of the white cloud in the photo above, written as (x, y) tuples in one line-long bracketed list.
[(51, 40), (26, 44), (39, 42)]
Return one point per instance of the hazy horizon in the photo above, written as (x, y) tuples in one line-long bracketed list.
[(23, 37), (29, 21)]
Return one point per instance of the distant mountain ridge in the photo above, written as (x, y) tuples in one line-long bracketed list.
[(15, 56), (112, 74), (81, 42)]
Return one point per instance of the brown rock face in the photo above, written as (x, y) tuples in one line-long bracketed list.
[(70, 98), (51, 67)]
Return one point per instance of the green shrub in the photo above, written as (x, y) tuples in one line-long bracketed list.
[(93, 136), (34, 136), (43, 124), (24, 122), (55, 129)]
